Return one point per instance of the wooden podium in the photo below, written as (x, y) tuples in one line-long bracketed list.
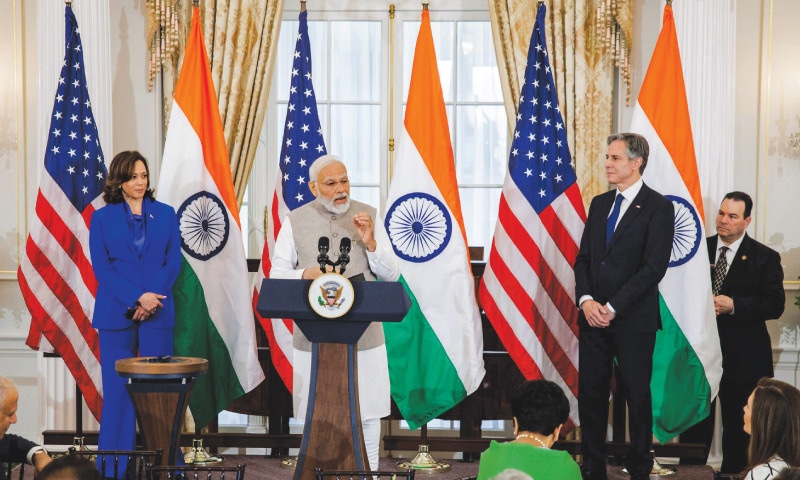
[(332, 435), (160, 388)]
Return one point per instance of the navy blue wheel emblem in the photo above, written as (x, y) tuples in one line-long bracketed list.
[(688, 232), (204, 225), (419, 227)]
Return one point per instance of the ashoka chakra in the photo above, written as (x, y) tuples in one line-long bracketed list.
[(688, 232), (419, 227), (204, 225)]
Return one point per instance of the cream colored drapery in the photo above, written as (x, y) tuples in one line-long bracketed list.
[(241, 38), (583, 68)]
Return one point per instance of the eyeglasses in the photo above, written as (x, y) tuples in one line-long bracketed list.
[(344, 181)]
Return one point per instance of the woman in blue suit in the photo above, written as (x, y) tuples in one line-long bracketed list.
[(135, 247)]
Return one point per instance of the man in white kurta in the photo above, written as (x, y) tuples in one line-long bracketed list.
[(335, 215)]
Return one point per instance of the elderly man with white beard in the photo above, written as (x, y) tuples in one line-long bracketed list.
[(335, 215)]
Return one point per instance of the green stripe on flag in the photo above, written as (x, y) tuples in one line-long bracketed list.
[(197, 336), (681, 393), (424, 381)]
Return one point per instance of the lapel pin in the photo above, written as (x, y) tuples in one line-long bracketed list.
[(744, 257), (638, 206), (151, 216)]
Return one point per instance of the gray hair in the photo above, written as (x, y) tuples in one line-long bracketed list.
[(320, 163), (636, 146), (512, 474)]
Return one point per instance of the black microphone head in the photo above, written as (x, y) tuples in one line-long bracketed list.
[(324, 244), (345, 245)]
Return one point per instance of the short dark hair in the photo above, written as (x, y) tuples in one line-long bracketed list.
[(636, 147), (741, 197), (120, 171), (539, 406), (70, 467)]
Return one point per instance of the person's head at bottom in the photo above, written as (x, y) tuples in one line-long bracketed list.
[(70, 467), (789, 473), (772, 418), (540, 409)]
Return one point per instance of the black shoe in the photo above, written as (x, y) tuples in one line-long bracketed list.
[(594, 474)]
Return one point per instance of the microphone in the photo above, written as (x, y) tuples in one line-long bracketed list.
[(344, 253), (323, 245)]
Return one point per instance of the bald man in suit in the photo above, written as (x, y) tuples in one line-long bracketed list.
[(624, 253), (747, 279), (14, 448)]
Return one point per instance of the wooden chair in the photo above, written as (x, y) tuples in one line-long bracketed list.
[(135, 461), (194, 472), (364, 475)]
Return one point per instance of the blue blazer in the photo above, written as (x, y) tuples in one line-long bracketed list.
[(123, 275), (626, 272)]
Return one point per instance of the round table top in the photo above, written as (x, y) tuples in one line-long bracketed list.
[(187, 366)]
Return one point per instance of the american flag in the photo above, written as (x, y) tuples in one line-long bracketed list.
[(55, 272), (528, 287), (302, 144)]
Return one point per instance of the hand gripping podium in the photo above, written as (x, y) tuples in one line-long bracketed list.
[(332, 436)]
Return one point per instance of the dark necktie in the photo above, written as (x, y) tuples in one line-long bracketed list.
[(720, 270), (612, 219)]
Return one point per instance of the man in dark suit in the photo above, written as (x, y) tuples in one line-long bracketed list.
[(624, 253), (14, 448), (747, 282)]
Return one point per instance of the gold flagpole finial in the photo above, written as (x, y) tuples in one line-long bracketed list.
[(302, 5), (195, 3), (68, 3), (540, 3), (425, 4), (669, 3)]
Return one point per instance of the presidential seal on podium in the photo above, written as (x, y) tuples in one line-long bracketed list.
[(331, 295)]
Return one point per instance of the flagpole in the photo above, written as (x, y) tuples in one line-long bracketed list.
[(425, 4), (302, 6), (391, 89)]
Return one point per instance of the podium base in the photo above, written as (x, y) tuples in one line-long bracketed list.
[(289, 463), (658, 469), (425, 463), (199, 455)]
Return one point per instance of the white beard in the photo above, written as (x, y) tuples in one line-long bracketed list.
[(332, 207)]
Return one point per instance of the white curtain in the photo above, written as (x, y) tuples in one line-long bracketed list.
[(707, 40)]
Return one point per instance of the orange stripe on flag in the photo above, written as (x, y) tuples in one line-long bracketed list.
[(203, 115), (671, 119), (426, 120)]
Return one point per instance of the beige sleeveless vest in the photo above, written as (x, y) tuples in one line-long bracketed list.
[(312, 221)]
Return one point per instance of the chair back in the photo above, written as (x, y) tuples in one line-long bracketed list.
[(8, 470), (364, 475), (194, 472), (135, 461)]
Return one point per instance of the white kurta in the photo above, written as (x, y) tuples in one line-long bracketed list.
[(373, 369)]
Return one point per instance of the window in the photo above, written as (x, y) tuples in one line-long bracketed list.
[(351, 71)]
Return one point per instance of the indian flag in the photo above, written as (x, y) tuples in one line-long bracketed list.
[(436, 352), (214, 318), (687, 362)]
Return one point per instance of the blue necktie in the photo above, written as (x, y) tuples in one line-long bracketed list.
[(612, 219)]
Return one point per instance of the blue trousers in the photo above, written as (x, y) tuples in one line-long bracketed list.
[(118, 421)]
